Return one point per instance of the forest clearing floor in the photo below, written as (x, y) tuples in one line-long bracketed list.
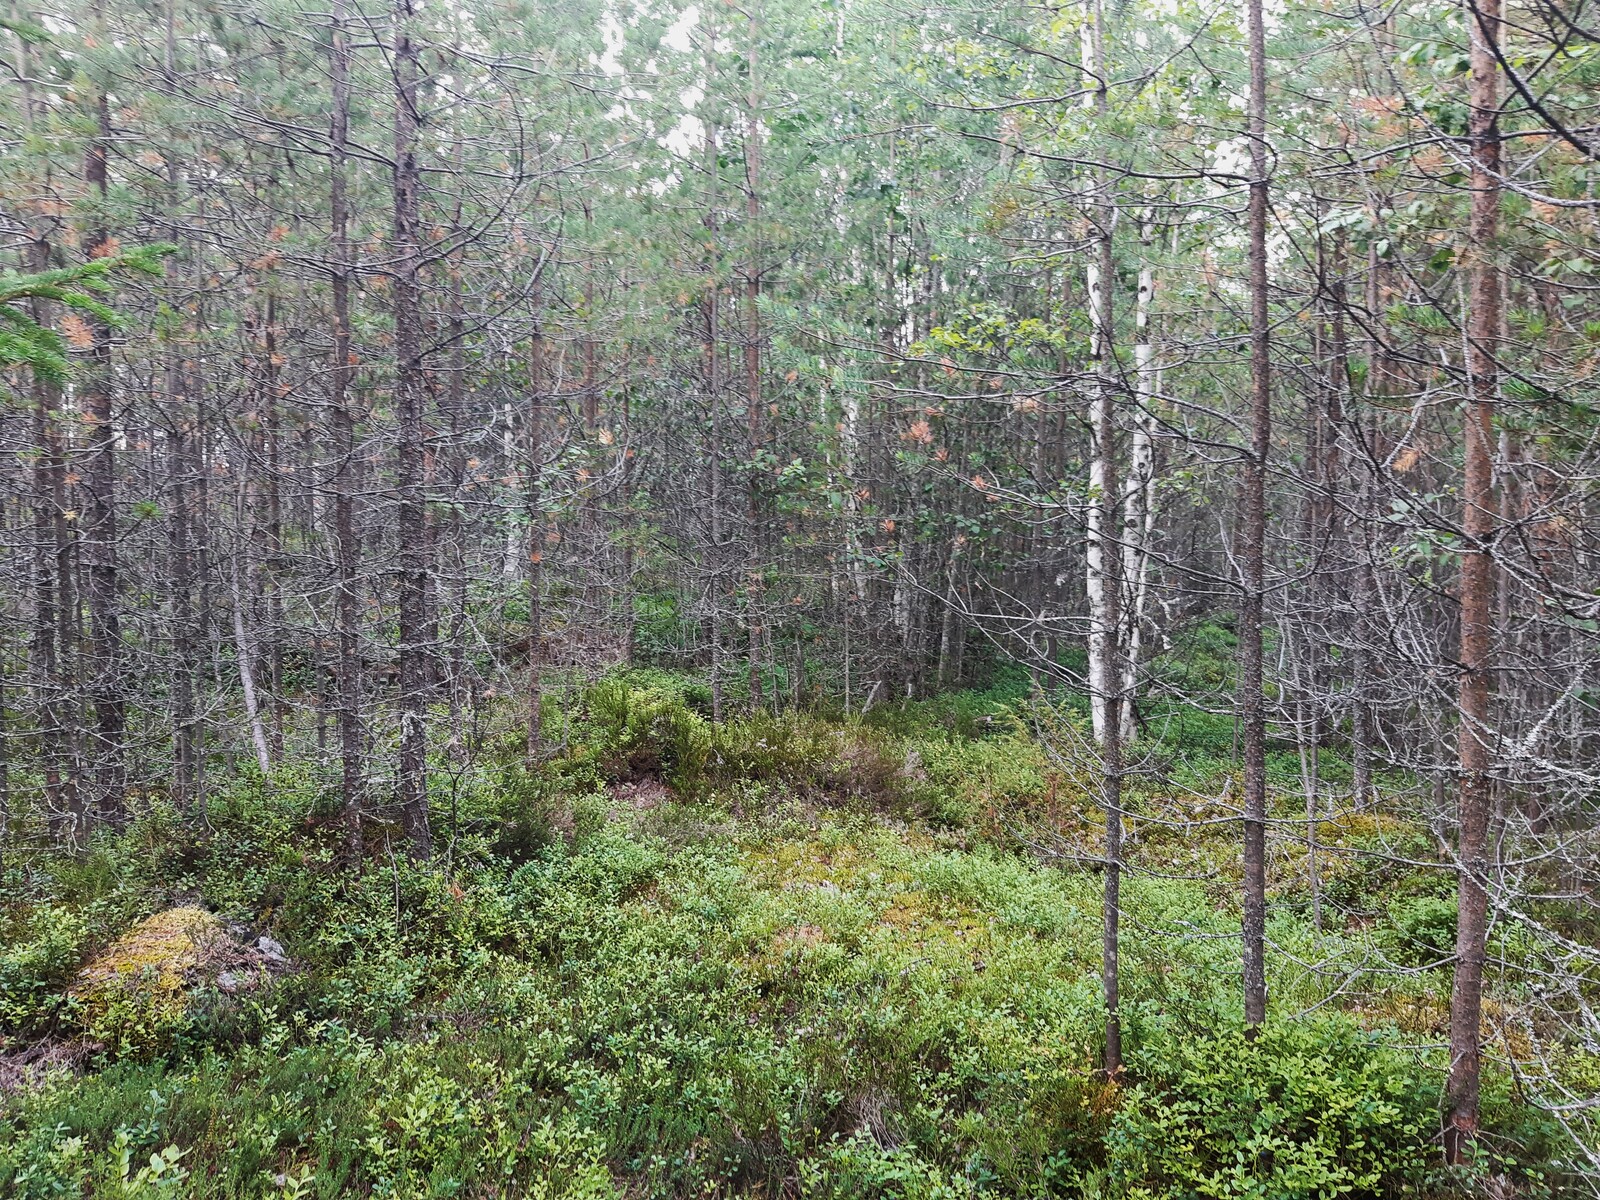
[(782, 956)]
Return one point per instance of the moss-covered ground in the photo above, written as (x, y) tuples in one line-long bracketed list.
[(790, 956)]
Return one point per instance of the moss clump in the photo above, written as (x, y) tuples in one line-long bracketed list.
[(133, 997)]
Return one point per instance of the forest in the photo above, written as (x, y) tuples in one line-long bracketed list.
[(847, 599)]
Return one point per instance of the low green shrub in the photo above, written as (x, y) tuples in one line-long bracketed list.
[(40, 948), (645, 733), (856, 1167), (1376, 873), (655, 732), (959, 782), (965, 713), (528, 814), (1424, 928), (1310, 1109), (804, 753), (691, 689)]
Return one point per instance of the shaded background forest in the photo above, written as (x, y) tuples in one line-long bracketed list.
[(808, 410)]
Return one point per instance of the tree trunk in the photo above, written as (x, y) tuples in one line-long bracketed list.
[(1252, 544), (630, 470), (1139, 491), (346, 534), (946, 672), (241, 645), (411, 522), (535, 554), (180, 558), (456, 392), (1100, 545), (51, 573), (99, 536), (714, 449), (1104, 558), (185, 652), (752, 380), (272, 532), (1477, 588)]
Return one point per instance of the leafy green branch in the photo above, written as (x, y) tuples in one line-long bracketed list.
[(81, 288)]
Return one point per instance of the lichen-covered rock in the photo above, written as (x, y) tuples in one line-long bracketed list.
[(158, 951), (133, 997)]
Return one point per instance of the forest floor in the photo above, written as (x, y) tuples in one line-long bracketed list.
[(786, 956)]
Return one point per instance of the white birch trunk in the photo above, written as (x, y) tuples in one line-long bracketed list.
[(1099, 545), (1138, 507), (241, 644)]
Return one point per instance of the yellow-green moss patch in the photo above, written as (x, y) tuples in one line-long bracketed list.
[(132, 995)]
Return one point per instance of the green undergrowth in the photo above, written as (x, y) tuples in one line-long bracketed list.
[(781, 956)]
